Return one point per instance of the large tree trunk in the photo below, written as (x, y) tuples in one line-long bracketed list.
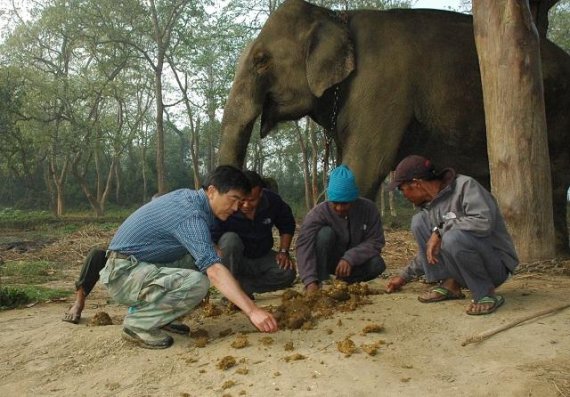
[(509, 57)]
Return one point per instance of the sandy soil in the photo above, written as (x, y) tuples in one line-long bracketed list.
[(420, 349)]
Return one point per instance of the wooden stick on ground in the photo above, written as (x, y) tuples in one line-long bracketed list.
[(486, 334)]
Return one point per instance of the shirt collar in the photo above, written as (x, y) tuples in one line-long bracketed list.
[(205, 205)]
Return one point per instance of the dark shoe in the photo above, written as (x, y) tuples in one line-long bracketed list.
[(151, 339), (177, 328)]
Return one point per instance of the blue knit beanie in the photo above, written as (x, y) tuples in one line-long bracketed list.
[(342, 186)]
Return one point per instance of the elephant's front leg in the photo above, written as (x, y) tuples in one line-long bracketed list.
[(371, 146)]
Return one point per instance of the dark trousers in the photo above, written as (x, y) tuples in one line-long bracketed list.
[(92, 265), (328, 255), (254, 275), (464, 257)]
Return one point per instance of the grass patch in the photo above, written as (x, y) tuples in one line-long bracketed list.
[(30, 272), (70, 222), (16, 296)]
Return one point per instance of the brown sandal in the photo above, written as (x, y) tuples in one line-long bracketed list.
[(442, 294)]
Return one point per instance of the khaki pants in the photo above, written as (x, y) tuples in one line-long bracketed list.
[(156, 295)]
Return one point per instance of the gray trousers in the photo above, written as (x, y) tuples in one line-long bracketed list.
[(254, 275), (328, 255), (464, 257)]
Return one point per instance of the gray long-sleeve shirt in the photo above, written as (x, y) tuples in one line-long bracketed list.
[(363, 240), (463, 204)]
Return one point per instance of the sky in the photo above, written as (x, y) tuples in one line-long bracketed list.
[(440, 4)]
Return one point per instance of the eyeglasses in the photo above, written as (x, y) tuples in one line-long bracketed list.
[(404, 185)]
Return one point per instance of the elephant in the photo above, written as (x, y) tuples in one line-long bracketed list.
[(385, 84)]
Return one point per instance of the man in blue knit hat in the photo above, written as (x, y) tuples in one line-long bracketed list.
[(342, 236)]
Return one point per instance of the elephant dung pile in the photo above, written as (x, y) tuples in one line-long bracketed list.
[(301, 311), (100, 318)]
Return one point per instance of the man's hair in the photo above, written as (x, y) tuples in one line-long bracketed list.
[(255, 179), (226, 177)]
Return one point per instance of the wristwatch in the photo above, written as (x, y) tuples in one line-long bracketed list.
[(284, 251), (436, 231)]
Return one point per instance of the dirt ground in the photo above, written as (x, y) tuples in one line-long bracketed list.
[(419, 350)]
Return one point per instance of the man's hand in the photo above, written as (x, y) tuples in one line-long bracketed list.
[(343, 269), (218, 251), (284, 261), (223, 280), (395, 284), (263, 320), (432, 248)]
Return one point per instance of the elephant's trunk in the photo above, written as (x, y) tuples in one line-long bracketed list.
[(242, 109)]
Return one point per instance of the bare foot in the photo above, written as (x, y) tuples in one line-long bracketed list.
[(485, 305), (449, 289), (73, 315), (312, 288), (395, 284)]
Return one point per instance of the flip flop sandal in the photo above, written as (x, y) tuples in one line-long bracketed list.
[(71, 318), (442, 294), (496, 302)]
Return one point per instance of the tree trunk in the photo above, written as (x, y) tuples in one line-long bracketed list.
[(305, 166), (143, 168), (117, 171), (160, 166), (194, 150), (59, 182), (391, 197), (326, 159), (314, 162), (382, 200), (508, 51)]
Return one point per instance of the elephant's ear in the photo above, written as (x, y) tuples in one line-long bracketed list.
[(330, 55)]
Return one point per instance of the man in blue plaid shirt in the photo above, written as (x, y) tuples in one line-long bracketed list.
[(162, 259)]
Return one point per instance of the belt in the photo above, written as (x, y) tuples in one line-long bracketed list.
[(118, 255)]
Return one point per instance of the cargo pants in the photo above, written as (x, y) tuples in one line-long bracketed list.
[(156, 294)]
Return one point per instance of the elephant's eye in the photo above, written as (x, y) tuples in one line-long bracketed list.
[(261, 61)]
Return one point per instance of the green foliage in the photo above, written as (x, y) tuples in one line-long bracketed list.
[(559, 24), (34, 272), (11, 215), (77, 90), (15, 296), (43, 225)]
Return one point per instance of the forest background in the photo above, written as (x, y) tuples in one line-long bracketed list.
[(99, 98)]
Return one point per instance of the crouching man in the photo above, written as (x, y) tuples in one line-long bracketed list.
[(461, 235), (162, 259), (245, 240), (342, 236)]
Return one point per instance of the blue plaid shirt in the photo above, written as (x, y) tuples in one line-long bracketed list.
[(169, 227)]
